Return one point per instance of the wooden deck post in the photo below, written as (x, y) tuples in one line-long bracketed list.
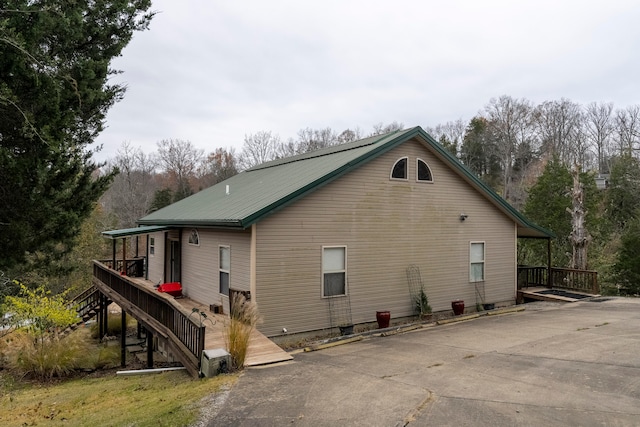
[(549, 276), (149, 349), (124, 256), (123, 339), (115, 241)]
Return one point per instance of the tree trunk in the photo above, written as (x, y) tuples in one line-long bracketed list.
[(579, 236)]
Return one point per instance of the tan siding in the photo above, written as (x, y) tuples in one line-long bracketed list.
[(200, 272), (156, 261), (386, 226)]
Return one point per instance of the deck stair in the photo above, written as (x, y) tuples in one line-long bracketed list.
[(87, 305)]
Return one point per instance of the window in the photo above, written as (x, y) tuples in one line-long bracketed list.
[(476, 257), (399, 170), (334, 272), (424, 172), (152, 245), (225, 269), (194, 238)]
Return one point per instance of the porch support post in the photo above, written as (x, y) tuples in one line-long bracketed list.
[(124, 256), (137, 243), (149, 349), (123, 339), (549, 277), (115, 243)]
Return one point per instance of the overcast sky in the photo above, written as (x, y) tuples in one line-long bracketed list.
[(212, 71)]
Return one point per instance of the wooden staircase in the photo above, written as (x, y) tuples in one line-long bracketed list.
[(87, 305)]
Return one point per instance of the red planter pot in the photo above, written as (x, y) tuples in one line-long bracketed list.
[(383, 318), (458, 307)]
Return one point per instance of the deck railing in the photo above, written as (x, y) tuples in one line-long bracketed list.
[(532, 276), (86, 301), (575, 280), (563, 278), (134, 266), (167, 318)]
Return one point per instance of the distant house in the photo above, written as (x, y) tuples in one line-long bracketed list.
[(339, 227)]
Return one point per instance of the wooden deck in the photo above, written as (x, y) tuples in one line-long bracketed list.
[(541, 294), (262, 350)]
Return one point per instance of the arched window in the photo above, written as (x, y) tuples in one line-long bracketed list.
[(399, 170), (424, 172), (194, 238)]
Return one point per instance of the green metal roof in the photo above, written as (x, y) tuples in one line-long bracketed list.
[(251, 195), (126, 232)]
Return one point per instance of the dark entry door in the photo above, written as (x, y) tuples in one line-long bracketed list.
[(174, 261)]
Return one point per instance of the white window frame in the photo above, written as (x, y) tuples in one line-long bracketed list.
[(473, 262), (329, 271), (428, 181), (406, 158), (222, 270), (152, 246), (192, 234)]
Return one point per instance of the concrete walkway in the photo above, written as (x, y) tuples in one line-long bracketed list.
[(552, 364)]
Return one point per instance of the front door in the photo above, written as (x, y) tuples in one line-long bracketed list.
[(174, 261)]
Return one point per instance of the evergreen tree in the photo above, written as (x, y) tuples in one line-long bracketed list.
[(478, 153), (626, 270), (623, 194), (547, 206), (55, 60)]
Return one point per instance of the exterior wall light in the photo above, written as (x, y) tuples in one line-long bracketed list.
[(463, 216)]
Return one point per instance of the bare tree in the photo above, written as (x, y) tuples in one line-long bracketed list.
[(627, 124), (315, 139), (599, 127), (259, 148), (450, 135), (509, 124), (131, 193), (559, 125), (287, 149), (381, 128), (181, 161), (350, 135), (579, 236), (219, 165)]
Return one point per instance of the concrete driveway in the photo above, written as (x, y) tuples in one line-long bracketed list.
[(571, 364)]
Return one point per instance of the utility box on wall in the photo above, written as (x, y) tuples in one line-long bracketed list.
[(214, 362)]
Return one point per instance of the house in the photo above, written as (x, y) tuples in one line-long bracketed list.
[(330, 234)]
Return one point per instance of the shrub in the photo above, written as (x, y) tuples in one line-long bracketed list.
[(44, 358), (237, 332)]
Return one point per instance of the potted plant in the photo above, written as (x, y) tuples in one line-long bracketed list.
[(422, 305)]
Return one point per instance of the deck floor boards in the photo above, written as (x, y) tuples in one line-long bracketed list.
[(262, 350)]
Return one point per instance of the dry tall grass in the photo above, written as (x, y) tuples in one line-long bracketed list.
[(243, 319)]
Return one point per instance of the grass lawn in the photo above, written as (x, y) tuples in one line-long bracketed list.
[(166, 399)]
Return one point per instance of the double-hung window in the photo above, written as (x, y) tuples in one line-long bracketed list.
[(152, 245), (476, 265), (334, 271), (225, 269)]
